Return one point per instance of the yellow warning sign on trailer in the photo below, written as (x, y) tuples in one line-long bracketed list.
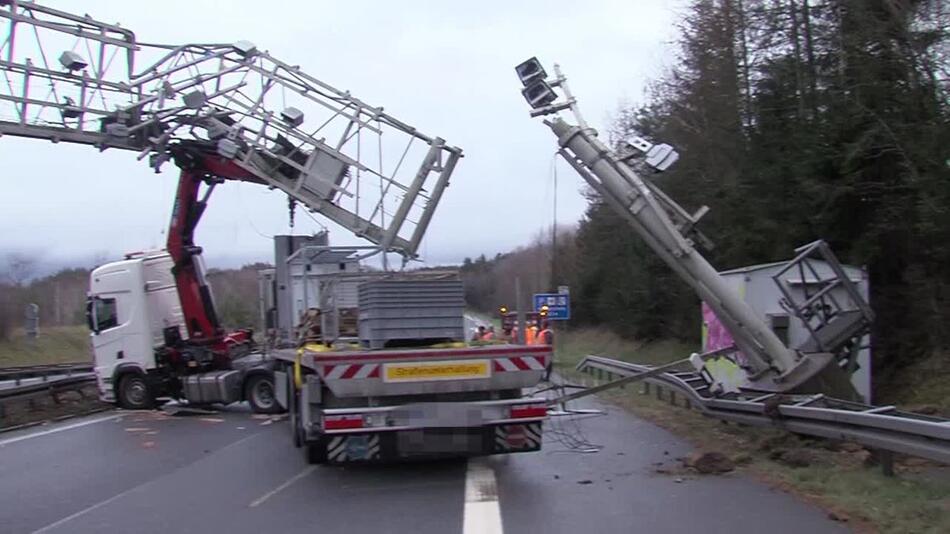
[(442, 370)]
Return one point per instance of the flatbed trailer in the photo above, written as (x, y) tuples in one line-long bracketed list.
[(399, 404)]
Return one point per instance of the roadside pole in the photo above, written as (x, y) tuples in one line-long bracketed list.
[(520, 309)]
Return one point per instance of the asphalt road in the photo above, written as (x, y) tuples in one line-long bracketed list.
[(234, 472)]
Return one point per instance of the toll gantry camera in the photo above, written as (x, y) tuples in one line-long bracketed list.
[(539, 92), (536, 90)]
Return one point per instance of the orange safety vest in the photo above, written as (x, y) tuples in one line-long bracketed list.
[(488, 336), (545, 337), (529, 335)]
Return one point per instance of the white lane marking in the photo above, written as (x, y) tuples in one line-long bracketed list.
[(59, 429), (260, 500), (84, 511), (482, 512)]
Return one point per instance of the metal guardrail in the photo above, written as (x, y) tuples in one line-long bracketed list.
[(879, 427), (53, 388), (50, 387), (26, 384), (46, 372)]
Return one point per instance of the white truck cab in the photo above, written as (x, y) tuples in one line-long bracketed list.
[(131, 305), (137, 329)]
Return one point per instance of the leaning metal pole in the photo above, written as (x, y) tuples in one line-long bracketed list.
[(651, 222), (770, 364)]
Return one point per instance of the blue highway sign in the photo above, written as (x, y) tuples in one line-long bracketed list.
[(558, 305)]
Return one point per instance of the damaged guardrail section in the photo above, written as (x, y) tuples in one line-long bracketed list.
[(879, 427)]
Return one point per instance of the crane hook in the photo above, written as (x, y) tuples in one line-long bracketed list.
[(291, 209)]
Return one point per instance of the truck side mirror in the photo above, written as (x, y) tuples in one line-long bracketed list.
[(91, 314)]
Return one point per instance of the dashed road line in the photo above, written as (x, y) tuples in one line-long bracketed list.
[(260, 500)]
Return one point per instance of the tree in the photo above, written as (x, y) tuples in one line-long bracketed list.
[(796, 120), (7, 311), (20, 268)]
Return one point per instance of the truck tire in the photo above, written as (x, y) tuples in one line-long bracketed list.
[(259, 392), (315, 452), (133, 393)]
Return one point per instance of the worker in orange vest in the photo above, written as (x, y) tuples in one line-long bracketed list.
[(478, 334), (489, 335), (529, 334), (545, 336)]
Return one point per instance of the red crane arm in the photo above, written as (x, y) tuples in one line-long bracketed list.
[(193, 292), (197, 166)]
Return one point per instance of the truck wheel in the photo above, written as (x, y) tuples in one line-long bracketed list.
[(315, 452), (259, 392), (134, 393)]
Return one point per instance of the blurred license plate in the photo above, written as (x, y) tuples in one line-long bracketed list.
[(444, 370), (438, 442)]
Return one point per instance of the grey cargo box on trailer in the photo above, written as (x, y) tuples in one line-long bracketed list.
[(411, 308)]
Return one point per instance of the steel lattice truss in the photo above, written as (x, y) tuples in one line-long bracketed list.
[(70, 78)]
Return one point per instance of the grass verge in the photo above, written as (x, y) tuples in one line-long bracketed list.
[(837, 478), (55, 344), (922, 384)]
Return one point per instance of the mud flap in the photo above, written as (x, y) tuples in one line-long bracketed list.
[(518, 438), (353, 448)]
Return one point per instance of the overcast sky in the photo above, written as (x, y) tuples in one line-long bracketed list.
[(444, 67)]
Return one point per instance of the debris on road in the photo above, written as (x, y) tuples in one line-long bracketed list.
[(177, 409), (835, 516), (709, 463)]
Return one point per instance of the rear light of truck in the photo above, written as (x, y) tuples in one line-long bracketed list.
[(526, 411), (342, 422)]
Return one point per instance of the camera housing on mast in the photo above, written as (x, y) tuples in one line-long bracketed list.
[(539, 94), (537, 91), (658, 156), (72, 61), (530, 71)]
